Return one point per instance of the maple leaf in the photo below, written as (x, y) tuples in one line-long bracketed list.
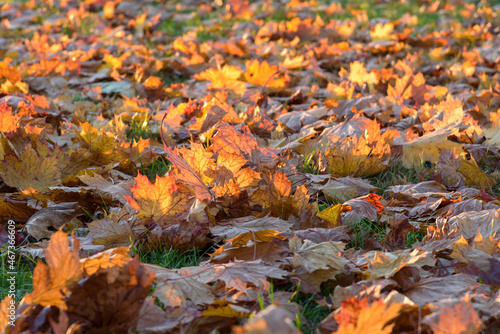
[(359, 75), (125, 290), (233, 227), (272, 319), (8, 121), (311, 256), (259, 73), (389, 263), (175, 290), (331, 215), (99, 146), (454, 316), (358, 156), (356, 316), (426, 148), (31, 170), (54, 217), (237, 274), (115, 257), (225, 78), (455, 170), (117, 191), (51, 281), (157, 201)]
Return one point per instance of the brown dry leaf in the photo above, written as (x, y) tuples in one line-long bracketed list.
[(433, 289), (117, 191), (237, 274), (51, 281), (272, 319), (388, 264), (311, 256), (470, 224), (426, 148), (112, 233), (455, 170), (479, 251), (175, 290), (42, 223), (454, 316), (340, 189), (110, 300), (231, 228), (153, 319), (157, 201)]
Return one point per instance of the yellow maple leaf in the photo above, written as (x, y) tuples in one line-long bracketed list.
[(359, 75), (258, 74), (31, 169), (331, 215), (358, 156), (225, 78)]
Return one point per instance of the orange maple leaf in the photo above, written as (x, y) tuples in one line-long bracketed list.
[(158, 200)]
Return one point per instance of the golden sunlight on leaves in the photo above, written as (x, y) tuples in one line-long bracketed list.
[(358, 157)]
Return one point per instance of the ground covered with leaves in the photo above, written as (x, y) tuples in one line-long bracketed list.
[(250, 166)]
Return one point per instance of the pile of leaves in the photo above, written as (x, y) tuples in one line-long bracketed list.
[(308, 148)]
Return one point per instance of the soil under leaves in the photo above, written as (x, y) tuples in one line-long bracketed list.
[(337, 164)]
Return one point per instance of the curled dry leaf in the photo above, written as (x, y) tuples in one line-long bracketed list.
[(42, 224)]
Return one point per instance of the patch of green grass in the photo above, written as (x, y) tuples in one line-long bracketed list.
[(139, 128), (203, 34), (393, 10), (309, 165), (312, 313), (172, 78), (158, 168), (363, 231), (178, 28), (24, 266), (397, 174), (414, 236), (164, 256)]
